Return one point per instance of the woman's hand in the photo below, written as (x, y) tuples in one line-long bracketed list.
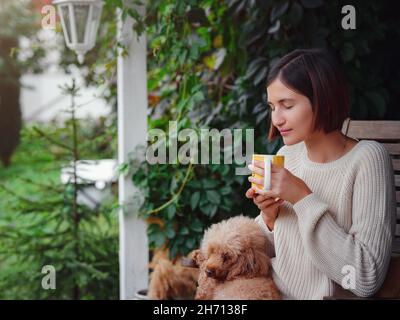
[(269, 207), (284, 185)]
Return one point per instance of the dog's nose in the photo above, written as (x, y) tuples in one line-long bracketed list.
[(210, 272)]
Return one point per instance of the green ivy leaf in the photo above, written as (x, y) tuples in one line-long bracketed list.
[(209, 209), (158, 239), (190, 243), (261, 75), (254, 66), (195, 184), (278, 10), (197, 225), (213, 196), (275, 27), (225, 190), (210, 184), (171, 210), (169, 231), (194, 200), (184, 231)]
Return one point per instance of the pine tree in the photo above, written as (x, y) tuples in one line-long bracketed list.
[(52, 229)]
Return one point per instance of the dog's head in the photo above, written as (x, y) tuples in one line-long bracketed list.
[(232, 249)]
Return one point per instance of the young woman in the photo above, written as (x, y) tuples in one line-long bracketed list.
[(330, 214)]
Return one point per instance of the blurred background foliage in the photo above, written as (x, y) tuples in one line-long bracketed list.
[(207, 67), (208, 62), (42, 222)]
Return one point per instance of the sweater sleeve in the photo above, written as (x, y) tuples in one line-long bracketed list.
[(365, 249), (269, 234)]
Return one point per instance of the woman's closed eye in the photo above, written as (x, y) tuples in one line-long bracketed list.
[(272, 108)]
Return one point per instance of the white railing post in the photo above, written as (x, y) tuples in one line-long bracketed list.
[(132, 128)]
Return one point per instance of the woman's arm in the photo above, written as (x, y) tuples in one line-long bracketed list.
[(269, 234), (366, 248)]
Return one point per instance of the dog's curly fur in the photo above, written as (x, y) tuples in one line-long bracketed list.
[(170, 280), (233, 262)]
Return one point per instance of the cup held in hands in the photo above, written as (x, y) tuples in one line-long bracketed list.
[(268, 160)]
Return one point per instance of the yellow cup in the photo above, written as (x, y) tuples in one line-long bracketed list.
[(268, 160)]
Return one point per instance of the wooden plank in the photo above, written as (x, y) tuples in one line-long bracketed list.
[(374, 130), (398, 213), (398, 196), (396, 245), (396, 164), (345, 126), (393, 148), (397, 180)]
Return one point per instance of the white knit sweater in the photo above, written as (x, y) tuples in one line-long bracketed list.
[(348, 220)]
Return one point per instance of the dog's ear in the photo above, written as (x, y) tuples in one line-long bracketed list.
[(197, 256), (249, 262), (261, 263), (194, 260)]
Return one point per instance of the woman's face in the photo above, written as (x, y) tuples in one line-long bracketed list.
[(291, 113)]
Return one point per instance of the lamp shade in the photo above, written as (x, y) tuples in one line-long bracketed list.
[(80, 20)]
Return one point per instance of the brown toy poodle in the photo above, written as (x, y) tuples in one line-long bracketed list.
[(169, 279), (233, 262)]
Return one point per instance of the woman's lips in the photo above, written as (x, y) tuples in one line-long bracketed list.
[(285, 132)]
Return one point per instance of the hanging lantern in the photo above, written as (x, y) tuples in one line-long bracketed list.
[(80, 20)]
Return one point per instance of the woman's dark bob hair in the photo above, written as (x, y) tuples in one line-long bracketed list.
[(318, 75)]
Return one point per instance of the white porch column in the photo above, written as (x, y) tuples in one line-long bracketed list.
[(132, 127)]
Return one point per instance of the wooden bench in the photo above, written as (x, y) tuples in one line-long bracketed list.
[(388, 134)]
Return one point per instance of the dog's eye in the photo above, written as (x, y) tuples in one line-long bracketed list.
[(225, 256)]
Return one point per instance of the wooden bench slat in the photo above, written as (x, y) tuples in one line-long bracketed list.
[(374, 130), (396, 164), (392, 148), (396, 246)]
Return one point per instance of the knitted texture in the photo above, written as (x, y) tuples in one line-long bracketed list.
[(347, 223)]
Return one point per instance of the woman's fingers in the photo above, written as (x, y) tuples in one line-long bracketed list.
[(256, 180), (275, 168), (250, 193), (256, 170), (258, 164), (270, 206), (264, 203), (261, 199), (266, 193)]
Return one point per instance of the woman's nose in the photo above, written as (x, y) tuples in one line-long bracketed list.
[(277, 119)]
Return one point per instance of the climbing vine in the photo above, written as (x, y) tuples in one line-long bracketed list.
[(207, 65)]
